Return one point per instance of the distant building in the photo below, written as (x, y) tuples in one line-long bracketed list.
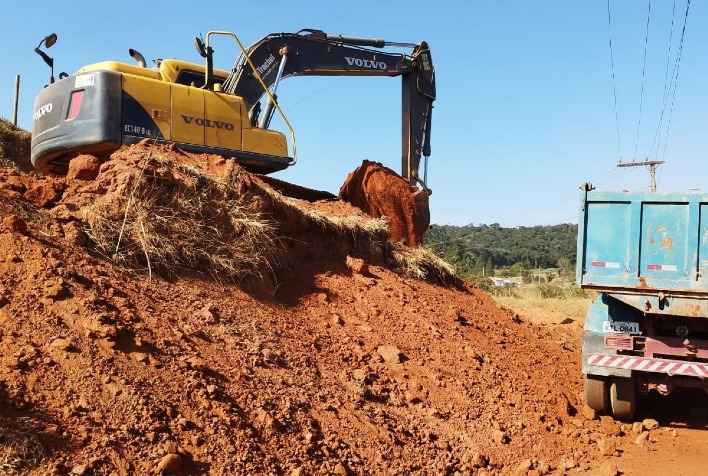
[(504, 282)]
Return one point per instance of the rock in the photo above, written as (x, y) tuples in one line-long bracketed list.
[(357, 266), (56, 290), (171, 447), (61, 344), (84, 167), (650, 424), (607, 447), (479, 460), (140, 357), (609, 426), (341, 470), (266, 420), (197, 364), (361, 375), (523, 468), (15, 224), (637, 427), (416, 393), (453, 313), (11, 362), (588, 413), (74, 235), (170, 463), (642, 439), (500, 437), (337, 320), (389, 353), (79, 469), (42, 195), (569, 463), (608, 468)]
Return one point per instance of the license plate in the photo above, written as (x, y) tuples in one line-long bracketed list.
[(618, 326)]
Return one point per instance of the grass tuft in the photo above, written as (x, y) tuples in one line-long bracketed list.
[(183, 220), (20, 447), (421, 263)]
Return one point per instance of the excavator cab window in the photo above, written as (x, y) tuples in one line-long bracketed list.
[(194, 78)]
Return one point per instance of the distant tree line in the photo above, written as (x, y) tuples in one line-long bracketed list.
[(477, 250)]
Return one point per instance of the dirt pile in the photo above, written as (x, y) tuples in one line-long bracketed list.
[(331, 363)]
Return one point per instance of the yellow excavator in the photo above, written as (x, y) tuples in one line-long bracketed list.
[(206, 110)]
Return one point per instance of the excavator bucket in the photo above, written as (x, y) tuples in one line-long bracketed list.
[(380, 192)]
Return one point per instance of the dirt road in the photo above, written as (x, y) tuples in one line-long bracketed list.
[(679, 447)]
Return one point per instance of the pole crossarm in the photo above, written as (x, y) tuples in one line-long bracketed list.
[(637, 164), (652, 169)]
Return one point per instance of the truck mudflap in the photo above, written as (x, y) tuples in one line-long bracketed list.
[(644, 364)]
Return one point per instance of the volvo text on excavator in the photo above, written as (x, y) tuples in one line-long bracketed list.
[(206, 110)]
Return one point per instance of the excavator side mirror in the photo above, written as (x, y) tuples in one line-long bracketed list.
[(199, 44), (48, 41)]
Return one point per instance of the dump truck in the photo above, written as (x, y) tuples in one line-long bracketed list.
[(201, 109), (646, 254)]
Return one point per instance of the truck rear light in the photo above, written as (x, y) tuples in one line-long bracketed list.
[(77, 97), (619, 341)]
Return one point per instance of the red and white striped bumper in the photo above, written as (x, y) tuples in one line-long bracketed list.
[(670, 367)]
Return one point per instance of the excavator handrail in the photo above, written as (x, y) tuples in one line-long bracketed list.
[(260, 80)]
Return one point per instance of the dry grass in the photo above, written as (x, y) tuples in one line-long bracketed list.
[(175, 217), (20, 447), (185, 222), (421, 263), (565, 300), (6, 163), (14, 146)]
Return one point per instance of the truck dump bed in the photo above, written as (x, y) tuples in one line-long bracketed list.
[(643, 242)]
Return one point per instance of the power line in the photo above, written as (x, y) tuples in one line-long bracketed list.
[(614, 81), (667, 87), (641, 96), (675, 77)]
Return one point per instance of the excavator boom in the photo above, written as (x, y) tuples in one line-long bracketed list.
[(315, 53)]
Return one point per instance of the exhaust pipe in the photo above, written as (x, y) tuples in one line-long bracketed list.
[(137, 57)]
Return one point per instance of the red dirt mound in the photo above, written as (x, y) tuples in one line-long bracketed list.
[(342, 367)]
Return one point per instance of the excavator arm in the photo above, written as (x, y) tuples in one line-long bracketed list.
[(315, 53)]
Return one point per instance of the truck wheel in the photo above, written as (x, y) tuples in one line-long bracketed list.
[(597, 393), (623, 398)]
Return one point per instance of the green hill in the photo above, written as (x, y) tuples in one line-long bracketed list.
[(475, 250)]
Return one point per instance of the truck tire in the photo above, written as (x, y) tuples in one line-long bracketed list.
[(623, 398), (597, 393)]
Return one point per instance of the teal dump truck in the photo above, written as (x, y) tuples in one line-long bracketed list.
[(646, 253)]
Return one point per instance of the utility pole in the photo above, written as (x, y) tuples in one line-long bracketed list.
[(652, 169), (17, 95)]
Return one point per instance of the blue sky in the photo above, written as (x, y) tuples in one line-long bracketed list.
[(525, 108)]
